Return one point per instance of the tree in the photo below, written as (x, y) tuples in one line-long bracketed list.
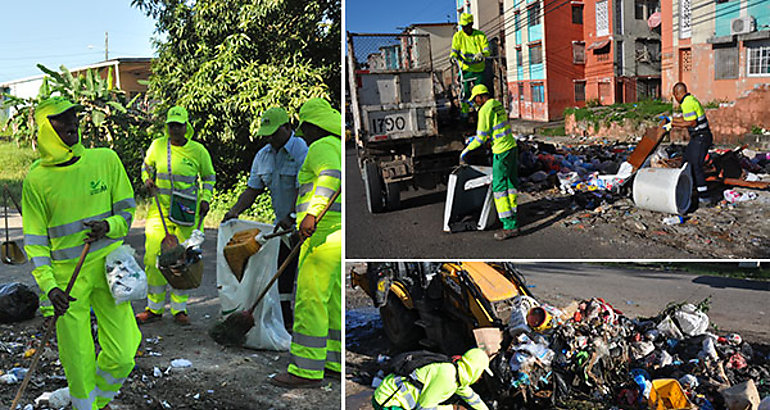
[(227, 62)]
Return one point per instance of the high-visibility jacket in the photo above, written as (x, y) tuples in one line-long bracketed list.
[(188, 162), (693, 110), (56, 202), (439, 383), (464, 47), (492, 123), (319, 177)]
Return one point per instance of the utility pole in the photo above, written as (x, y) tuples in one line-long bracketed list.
[(106, 46)]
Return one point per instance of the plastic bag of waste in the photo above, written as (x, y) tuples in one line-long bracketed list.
[(520, 307), (195, 240), (691, 321), (126, 279), (17, 302), (668, 328)]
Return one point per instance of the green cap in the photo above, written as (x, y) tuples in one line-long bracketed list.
[(54, 106), (271, 120), (319, 112), (177, 114), (466, 18), (478, 90)]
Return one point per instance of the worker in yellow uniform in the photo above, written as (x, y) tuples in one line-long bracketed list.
[(469, 47), (429, 386), (179, 170), (694, 119), (73, 195), (493, 125), (316, 340)]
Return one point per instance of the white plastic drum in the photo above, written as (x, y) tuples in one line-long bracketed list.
[(663, 189)]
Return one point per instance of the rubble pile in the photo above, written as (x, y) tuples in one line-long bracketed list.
[(590, 355)]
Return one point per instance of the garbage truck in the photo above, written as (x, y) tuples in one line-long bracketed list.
[(403, 117), (437, 305)]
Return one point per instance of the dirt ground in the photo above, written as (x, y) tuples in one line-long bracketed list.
[(220, 378), (635, 292)]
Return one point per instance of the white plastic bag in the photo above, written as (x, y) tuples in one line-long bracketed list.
[(268, 332), (126, 279)]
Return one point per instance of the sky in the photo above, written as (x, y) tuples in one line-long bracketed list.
[(373, 16), (69, 32)]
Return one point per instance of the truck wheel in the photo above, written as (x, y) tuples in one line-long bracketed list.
[(399, 325), (373, 187), (393, 191)]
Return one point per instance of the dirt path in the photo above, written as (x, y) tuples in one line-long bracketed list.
[(220, 378)]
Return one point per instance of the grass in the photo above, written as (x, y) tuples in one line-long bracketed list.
[(725, 269), (552, 131), (212, 219), (637, 113), (15, 164)]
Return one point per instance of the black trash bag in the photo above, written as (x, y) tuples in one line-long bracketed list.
[(17, 303)]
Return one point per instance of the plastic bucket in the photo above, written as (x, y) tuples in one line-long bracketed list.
[(663, 189)]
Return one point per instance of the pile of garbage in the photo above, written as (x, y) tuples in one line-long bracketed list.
[(590, 353)]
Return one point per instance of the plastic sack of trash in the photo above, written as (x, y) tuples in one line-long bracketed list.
[(268, 332), (126, 279), (195, 240), (691, 321), (17, 302), (520, 308)]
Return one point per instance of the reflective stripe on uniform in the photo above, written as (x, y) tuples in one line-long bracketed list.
[(499, 195), (36, 240), (335, 334), (167, 191), (74, 252), (124, 204), (501, 125), (304, 188), (324, 191), (39, 261), (333, 356), (308, 341), (208, 187), (180, 306), (308, 364), (336, 207), (334, 173), (74, 227), (513, 191), (190, 179), (157, 289), (127, 216), (505, 214), (105, 394), (84, 404), (153, 305), (209, 178), (500, 134), (410, 400), (109, 378)]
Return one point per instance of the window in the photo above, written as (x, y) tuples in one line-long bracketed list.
[(639, 10), (536, 54), (516, 22), (519, 57), (726, 63), (685, 13), (502, 8), (538, 92), (521, 91), (577, 14), (578, 52), (758, 58), (602, 19), (580, 91), (534, 14)]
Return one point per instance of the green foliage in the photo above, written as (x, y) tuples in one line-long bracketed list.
[(224, 199), (756, 129), (714, 104), (553, 131), (16, 161), (227, 62), (637, 113)]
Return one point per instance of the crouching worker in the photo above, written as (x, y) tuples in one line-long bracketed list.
[(429, 386), (73, 195)]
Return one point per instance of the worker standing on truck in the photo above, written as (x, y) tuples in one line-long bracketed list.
[(275, 167), (316, 341), (430, 385), (73, 195), (493, 124), (694, 119), (171, 170), (469, 47)]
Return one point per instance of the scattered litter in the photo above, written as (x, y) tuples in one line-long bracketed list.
[(57, 399), (156, 372), (181, 363), (17, 302), (733, 196), (126, 279)]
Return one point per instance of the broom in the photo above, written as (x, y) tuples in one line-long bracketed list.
[(232, 331), (49, 329)]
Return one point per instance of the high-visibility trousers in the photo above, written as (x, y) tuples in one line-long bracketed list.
[(94, 381), (316, 341), (157, 284), (505, 182), (469, 80)]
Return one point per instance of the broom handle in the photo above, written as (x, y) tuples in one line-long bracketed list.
[(157, 202), (292, 255), (49, 329)]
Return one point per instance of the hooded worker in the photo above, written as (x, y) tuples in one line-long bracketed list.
[(469, 48), (316, 340), (180, 172), (493, 125), (73, 195), (433, 384)]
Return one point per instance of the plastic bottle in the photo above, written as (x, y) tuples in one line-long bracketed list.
[(673, 220)]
